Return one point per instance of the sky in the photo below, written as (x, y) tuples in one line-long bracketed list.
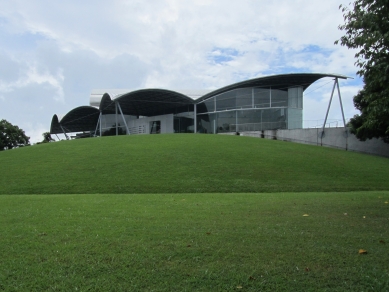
[(54, 53)]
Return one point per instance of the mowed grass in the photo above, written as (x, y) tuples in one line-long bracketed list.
[(186, 163), (192, 213), (195, 242)]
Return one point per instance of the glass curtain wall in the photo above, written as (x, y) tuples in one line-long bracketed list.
[(108, 124), (295, 108), (251, 109), (184, 119)]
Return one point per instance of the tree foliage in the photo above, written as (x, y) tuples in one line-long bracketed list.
[(47, 137), (12, 136), (112, 131), (366, 29)]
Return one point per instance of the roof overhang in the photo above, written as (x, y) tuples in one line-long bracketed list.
[(154, 102), (145, 102), (282, 81), (83, 118)]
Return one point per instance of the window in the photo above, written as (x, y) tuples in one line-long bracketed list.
[(155, 127)]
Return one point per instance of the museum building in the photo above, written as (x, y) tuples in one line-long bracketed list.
[(264, 103)]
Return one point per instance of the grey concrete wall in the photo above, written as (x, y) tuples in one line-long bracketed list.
[(339, 138)]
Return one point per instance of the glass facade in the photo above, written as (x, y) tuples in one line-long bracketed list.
[(238, 110), (184, 120), (251, 109), (155, 127)]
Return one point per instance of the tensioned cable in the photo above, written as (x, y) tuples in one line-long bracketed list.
[(317, 88), (76, 119)]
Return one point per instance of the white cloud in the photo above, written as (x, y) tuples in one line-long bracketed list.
[(53, 60), (34, 131), (34, 76)]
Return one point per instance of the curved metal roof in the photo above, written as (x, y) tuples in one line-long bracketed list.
[(145, 102), (281, 81), (83, 118), (153, 102)]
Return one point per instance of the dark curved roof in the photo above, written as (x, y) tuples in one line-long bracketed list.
[(146, 102), (83, 118), (153, 102), (281, 81)]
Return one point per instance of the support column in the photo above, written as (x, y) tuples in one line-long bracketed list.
[(195, 118), (252, 97), (270, 96), (340, 101), (101, 119), (116, 117), (98, 122), (63, 130), (236, 121), (124, 120), (328, 109)]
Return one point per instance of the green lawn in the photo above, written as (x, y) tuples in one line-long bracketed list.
[(192, 213), (195, 242), (186, 163)]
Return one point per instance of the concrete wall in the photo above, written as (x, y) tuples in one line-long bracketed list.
[(142, 125), (333, 137)]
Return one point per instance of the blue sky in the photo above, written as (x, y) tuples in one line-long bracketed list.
[(53, 53)]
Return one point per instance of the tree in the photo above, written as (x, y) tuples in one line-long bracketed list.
[(47, 137), (367, 29), (112, 131), (12, 136)]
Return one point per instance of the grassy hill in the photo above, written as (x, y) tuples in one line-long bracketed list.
[(185, 163), (158, 237)]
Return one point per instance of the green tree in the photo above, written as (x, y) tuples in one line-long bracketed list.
[(47, 137), (112, 131), (12, 136), (366, 29)]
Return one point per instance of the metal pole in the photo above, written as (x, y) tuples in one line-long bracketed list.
[(125, 123), (340, 101), (270, 96), (328, 109), (116, 117), (67, 138), (195, 118), (101, 120), (236, 121), (98, 121), (252, 97)]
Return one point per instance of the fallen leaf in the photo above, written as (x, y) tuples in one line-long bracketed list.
[(251, 278), (345, 214), (208, 233), (307, 269), (364, 217), (382, 241), (362, 251), (188, 245), (239, 287), (386, 202), (305, 215)]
